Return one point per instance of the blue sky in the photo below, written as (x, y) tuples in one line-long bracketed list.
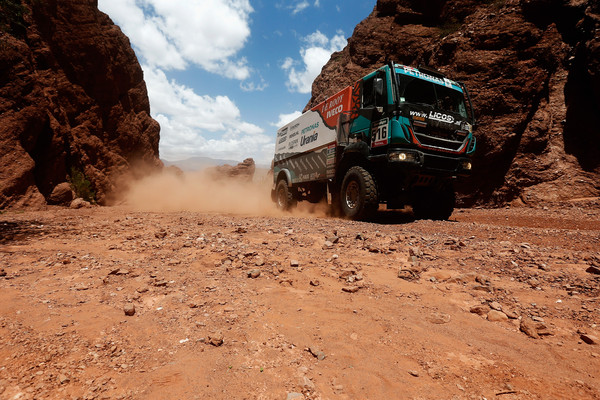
[(222, 75)]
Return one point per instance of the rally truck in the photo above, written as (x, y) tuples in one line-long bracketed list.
[(399, 136)]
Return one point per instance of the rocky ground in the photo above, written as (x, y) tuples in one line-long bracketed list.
[(113, 303)]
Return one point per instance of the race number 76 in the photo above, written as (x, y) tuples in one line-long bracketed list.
[(379, 133)]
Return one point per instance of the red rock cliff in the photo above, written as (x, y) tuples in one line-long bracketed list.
[(532, 67), (72, 100)]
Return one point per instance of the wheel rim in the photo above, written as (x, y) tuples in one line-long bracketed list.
[(281, 198), (352, 195)]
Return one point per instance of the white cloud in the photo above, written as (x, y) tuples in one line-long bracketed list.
[(315, 54), (286, 118), (172, 34), (296, 6), (254, 87), (192, 124), (317, 39), (300, 7), (287, 63)]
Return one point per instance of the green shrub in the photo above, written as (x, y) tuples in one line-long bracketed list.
[(81, 186), (449, 27), (11, 17)]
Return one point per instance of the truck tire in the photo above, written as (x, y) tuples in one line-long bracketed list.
[(284, 198), (358, 194), (429, 203)]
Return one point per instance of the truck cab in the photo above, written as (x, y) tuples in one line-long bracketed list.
[(401, 137)]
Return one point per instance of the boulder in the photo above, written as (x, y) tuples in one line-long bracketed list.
[(243, 171), (61, 194)]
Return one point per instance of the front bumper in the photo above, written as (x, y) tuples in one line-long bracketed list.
[(433, 163)]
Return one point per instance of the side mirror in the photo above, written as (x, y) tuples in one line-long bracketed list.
[(378, 86)]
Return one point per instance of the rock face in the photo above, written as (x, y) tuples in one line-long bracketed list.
[(533, 70), (243, 171), (72, 101)]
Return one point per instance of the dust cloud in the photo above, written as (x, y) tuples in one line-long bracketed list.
[(202, 192)]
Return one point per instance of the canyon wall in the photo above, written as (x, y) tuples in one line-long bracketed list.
[(73, 103)]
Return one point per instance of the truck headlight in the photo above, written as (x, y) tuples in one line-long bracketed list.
[(466, 165), (404, 156)]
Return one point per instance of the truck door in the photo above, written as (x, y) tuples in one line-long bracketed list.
[(371, 126)]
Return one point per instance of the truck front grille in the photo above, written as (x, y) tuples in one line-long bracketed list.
[(440, 163), (439, 139)]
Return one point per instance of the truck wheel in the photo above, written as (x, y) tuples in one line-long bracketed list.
[(434, 204), (358, 195), (284, 196)]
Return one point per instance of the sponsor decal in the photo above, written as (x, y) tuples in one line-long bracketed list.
[(333, 103), (331, 109), (379, 133), (334, 111), (292, 144), (313, 176), (330, 161), (310, 127), (465, 126), (282, 134), (309, 138), (333, 106), (418, 74), (419, 114), (331, 154), (308, 133), (438, 116), (282, 138), (435, 116)]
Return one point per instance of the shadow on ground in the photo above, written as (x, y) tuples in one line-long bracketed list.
[(15, 231), (393, 217)]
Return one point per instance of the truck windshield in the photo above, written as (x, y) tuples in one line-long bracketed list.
[(419, 91)]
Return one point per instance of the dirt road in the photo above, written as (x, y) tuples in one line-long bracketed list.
[(493, 304)]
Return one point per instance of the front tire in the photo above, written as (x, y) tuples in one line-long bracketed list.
[(284, 197), (358, 195)]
